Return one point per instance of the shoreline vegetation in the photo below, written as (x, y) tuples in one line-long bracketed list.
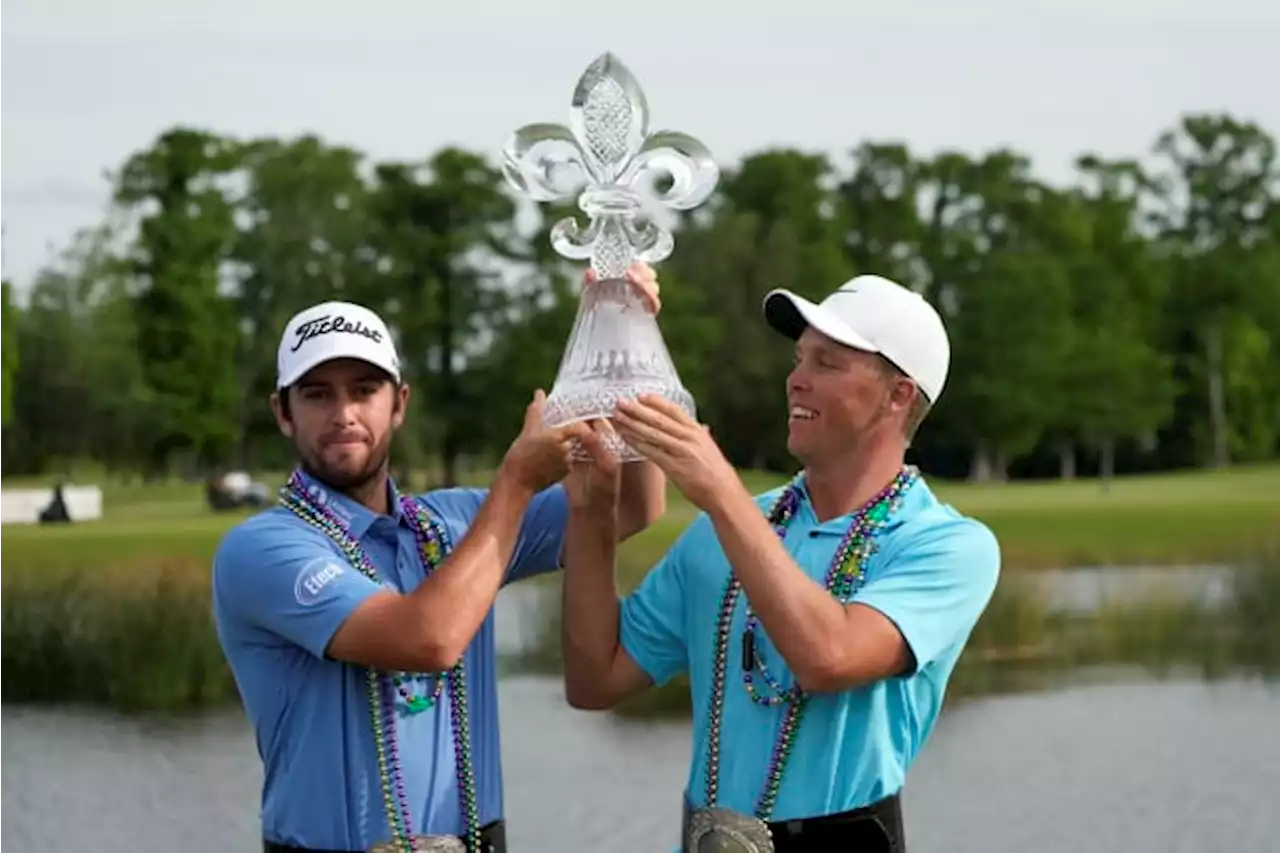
[(116, 612), (1025, 643)]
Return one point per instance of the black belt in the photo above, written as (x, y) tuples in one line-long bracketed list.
[(493, 839), (876, 828)]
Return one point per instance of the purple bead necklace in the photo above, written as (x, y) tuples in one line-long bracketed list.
[(844, 577), (383, 687)]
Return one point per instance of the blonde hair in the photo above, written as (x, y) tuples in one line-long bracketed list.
[(920, 406)]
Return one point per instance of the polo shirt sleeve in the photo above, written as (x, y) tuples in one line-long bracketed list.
[(936, 587), (286, 580), (541, 535), (542, 529), (652, 626)]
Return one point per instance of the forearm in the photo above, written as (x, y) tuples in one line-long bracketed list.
[(454, 601), (804, 622), (590, 608), (642, 497)]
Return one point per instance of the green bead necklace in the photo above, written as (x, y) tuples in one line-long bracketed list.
[(383, 687)]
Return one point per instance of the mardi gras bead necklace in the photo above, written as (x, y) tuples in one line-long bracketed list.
[(384, 687), (844, 577)]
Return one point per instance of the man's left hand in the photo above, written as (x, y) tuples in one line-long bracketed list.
[(683, 448)]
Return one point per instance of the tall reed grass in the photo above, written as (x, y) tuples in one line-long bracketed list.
[(138, 635), (135, 635)]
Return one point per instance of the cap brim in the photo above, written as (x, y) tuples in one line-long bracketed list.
[(790, 315), (304, 367)]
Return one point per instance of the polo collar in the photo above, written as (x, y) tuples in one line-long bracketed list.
[(356, 517), (917, 497)]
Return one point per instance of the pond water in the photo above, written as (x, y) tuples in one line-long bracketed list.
[(1136, 767), (1119, 764), (1084, 589)]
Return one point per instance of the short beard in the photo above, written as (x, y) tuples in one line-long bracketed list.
[(347, 483)]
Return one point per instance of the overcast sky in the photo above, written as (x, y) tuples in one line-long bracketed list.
[(87, 82)]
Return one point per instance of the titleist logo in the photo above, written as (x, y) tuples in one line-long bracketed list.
[(326, 324)]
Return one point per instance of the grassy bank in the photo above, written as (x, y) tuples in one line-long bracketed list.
[(1161, 519), (116, 611), (1165, 519)]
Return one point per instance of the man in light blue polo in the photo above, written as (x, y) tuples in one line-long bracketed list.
[(819, 622), (358, 622)]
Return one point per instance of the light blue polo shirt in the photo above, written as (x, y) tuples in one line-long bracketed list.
[(281, 589), (933, 574)]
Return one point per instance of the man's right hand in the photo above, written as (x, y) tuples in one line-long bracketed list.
[(541, 455)]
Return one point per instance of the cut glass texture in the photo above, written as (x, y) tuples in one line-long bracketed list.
[(608, 160)]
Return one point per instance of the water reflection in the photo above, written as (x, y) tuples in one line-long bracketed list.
[(1120, 763), (1132, 767), (1176, 767), (1086, 589)]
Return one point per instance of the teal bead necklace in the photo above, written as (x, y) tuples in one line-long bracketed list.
[(844, 577), (384, 687)]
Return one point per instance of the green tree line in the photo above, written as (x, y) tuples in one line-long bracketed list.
[(1129, 320)]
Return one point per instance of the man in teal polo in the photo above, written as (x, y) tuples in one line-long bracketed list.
[(819, 622)]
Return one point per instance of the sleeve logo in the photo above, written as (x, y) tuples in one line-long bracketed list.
[(313, 578)]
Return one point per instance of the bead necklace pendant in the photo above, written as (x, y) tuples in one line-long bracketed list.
[(844, 576), (383, 705), (748, 650)]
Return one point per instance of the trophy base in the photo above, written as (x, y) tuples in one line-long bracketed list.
[(597, 403)]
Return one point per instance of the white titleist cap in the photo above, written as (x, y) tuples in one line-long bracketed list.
[(334, 330), (877, 315)]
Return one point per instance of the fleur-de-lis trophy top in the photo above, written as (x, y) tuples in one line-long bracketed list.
[(608, 159), (604, 157)]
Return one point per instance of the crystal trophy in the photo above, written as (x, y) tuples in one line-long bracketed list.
[(611, 163)]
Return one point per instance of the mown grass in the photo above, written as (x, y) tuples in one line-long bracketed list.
[(116, 611), (1161, 519), (1166, 519)]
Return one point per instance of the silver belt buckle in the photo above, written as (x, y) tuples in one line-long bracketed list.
[(725, 831), (424, 844)]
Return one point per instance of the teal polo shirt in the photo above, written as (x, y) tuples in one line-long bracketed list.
[(933, 573)]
